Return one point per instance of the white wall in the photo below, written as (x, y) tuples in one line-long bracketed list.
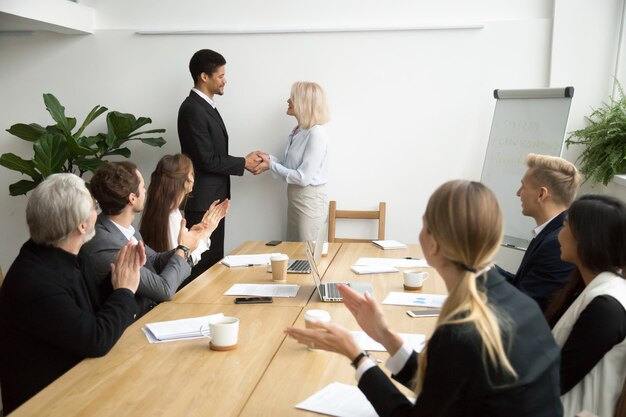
[(410, 109)]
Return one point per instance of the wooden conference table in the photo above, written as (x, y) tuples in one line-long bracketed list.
[(266, 375)]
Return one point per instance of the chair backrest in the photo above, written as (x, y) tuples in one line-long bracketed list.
[(335, 214)]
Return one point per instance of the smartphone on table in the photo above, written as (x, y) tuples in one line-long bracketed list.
[(433, 312), (273, 243), (253, 300)]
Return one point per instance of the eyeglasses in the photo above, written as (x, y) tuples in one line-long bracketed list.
[(96, 205)]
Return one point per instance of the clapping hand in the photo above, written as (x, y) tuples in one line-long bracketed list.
[(326, 336), (128, 263), (370, 317), (212, 217)]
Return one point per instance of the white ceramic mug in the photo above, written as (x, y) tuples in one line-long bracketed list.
[(224, 332), (414, 279), (279, 266), (317, 315)]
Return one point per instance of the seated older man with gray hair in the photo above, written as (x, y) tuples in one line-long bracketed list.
[(50, 317)]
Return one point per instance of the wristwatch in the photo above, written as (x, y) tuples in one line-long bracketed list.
[(185, 250), (363, 354)]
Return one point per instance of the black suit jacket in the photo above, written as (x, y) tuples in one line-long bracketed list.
[(542, 272), (204, 139), (51, 318), (456, 383)]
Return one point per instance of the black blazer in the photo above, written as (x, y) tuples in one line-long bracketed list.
[(542, 272), (204, 139), (456, 383), (51, 318)]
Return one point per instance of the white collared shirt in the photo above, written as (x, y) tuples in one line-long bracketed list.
[(535, 232), (204, 96), (306, 159), (128, 233)]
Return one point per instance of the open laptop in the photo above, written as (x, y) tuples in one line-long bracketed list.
[(303, 266), (328, 291)]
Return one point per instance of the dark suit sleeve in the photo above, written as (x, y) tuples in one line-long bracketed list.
[(197, 136), (600, 326), (450, 387), (62, 322), (506, 274), (546, 273)]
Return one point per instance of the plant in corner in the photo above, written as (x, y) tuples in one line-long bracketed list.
[(58, 149), (604, 138)]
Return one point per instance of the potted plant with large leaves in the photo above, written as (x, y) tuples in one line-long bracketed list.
[(604, 139), (57, 148)]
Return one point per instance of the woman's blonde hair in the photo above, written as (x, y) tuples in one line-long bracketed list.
[(309, 104), (465, 220)]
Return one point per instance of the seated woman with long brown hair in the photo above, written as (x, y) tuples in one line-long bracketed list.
[(491, 353), (170, 185), (588, 316)]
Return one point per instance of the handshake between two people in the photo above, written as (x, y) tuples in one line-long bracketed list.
[(257, 162)]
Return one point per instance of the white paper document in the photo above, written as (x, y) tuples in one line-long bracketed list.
[(415, 340), (397, 262), (373, 269), (415, 300), (340, 400), (174, 330), (264, 290), (389, 244), (233, 261)]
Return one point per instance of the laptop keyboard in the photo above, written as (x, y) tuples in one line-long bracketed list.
[(329, 290), (300, 265)]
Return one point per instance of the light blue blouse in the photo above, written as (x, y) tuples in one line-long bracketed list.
[(306, 158)]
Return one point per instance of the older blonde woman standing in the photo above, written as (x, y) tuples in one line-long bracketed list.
[(304, 166)]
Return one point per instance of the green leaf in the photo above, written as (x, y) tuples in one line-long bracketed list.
[(88, 164), (153, 141), (89, 141), (50, 154), (93, 115), (30, 132), (22, 187), (125, 152), (75, 149), (57, 111), (145, 132), (14, 162)]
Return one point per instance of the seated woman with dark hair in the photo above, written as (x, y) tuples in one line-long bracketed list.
[(491, 353), (170, 185), (588, 315)]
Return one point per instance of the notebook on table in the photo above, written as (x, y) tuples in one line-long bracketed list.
[(328, 291)]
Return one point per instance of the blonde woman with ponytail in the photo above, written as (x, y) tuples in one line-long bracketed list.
[(491, 353)]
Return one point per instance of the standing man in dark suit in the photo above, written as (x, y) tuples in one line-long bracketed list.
[(548, 188), (204, 139)]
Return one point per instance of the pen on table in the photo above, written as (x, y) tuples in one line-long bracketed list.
[(415, 259)]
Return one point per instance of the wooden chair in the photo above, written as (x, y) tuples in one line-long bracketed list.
[(335, 214)]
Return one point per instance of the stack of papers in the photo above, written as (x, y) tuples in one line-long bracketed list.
[(397, 262), (389, 244), (373, 269), (415, 300), (340, 400), (184, 329), (415, 340), (232, 261), (264, 290)]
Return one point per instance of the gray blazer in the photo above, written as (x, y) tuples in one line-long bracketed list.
[(160, 276)]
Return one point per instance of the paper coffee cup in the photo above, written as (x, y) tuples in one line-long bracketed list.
[(414, 279), (224, 333), (315, 315), (279, 266)]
